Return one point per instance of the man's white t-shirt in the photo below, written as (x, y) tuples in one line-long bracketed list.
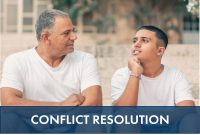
[(167, 89), (27, 72)]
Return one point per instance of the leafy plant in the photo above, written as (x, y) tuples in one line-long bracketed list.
[(75, 8)]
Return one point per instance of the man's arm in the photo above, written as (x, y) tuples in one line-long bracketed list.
[(130, 95), (13, 97), (93, 96)]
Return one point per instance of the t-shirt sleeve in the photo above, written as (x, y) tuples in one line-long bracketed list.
[(90, 74), (11, 76), (118, 83), (182, 89)]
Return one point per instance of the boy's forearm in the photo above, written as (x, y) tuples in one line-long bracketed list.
[(130, 95)]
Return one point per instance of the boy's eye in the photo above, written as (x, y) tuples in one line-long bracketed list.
[(145, 40), (134, 41)]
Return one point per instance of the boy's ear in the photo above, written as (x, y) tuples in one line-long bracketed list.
[(161, 51)]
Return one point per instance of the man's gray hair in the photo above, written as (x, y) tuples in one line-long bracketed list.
[(46, 22)]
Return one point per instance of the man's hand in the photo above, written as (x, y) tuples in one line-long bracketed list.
[(73, 100), (134, 66)]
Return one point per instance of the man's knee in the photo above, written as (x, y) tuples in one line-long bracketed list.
[(189, 123), (12, 123)]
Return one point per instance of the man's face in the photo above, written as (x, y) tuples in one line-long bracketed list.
[(144, 45), (62, 42)]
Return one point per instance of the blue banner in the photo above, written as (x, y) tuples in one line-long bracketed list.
[(106, 119)]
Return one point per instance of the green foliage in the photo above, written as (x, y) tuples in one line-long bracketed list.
[(104, 25), (145, 12), (193, 7), (75, 8)]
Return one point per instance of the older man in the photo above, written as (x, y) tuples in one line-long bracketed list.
[(52, 73)]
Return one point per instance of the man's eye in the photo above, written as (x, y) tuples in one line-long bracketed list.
[(134, 41), (66, 33)]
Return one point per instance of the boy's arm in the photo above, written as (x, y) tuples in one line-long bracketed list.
[(130, 95)]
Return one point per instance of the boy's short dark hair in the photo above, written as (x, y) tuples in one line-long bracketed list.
[(162, 37)]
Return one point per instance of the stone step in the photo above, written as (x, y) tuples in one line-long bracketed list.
[(103, 51), (178, 62), (117, 56)]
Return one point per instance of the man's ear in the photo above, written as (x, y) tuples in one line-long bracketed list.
[(45, 38), (161, 51)]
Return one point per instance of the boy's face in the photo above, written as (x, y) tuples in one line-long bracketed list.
[(144, 45)]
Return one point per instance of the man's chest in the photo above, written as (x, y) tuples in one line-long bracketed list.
[(42, 84)]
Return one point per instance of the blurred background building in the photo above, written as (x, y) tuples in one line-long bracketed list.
[(105, 28)]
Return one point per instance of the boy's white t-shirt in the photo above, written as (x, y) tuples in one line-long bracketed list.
[(167, 89), (27, 72)]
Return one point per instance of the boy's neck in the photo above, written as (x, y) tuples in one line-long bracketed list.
[(152, 70)]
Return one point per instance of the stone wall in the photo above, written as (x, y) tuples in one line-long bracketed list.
[(112, 57)]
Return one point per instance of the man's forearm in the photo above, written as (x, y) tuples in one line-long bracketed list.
[(93, 96), (29, 111), (130, 94)]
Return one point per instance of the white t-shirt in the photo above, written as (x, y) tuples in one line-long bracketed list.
[(27, 72), (167, 89)]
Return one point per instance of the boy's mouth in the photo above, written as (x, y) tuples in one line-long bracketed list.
[(136, 52)]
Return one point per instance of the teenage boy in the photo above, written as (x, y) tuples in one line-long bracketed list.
[(147, 82)]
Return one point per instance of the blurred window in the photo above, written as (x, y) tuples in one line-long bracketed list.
[(27, 21), (21, 15), (12, 15), (191, 23), (12, 18), (41, 9), (1, 2), (87, 19), (32, 10), (28, 6)]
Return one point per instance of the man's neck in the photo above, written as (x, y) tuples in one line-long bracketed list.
[(52, 61), (152, 69)]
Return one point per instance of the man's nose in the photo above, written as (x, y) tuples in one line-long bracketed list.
[(73, 36)]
